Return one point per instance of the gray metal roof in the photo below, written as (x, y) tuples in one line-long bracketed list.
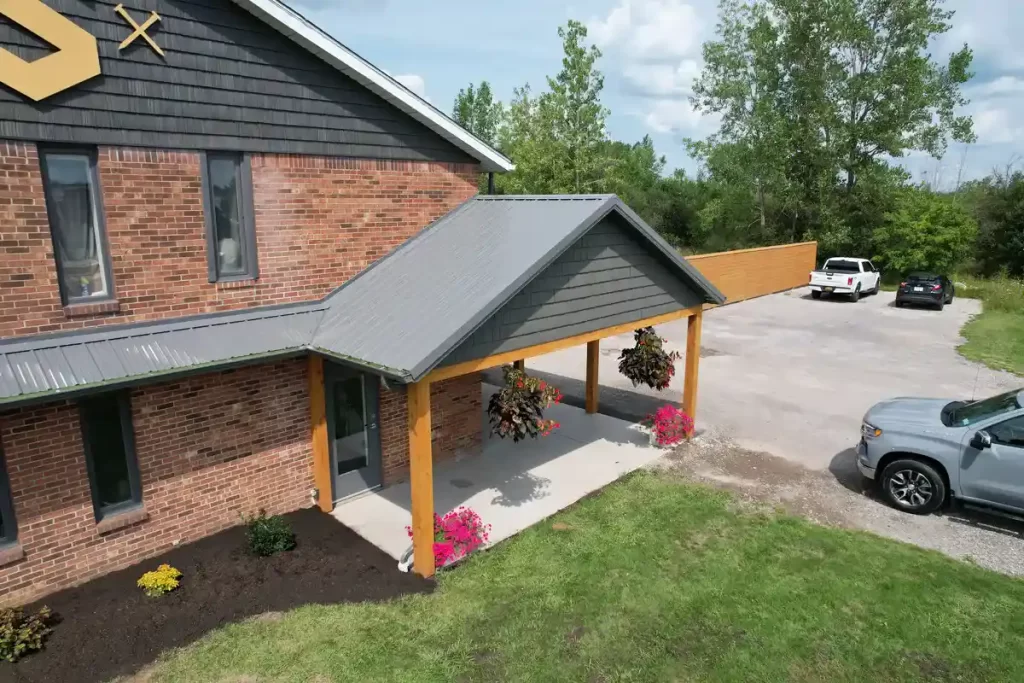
[(412, 308), (400, 317), (68, 363)]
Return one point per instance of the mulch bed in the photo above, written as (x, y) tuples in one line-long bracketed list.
[(109, 627)]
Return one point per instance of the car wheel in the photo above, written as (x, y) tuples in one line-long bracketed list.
[(855, 297), (899, 304), (939, 306), (913, 486), (815, 294)]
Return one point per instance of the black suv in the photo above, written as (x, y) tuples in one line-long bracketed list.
[(927, 289)]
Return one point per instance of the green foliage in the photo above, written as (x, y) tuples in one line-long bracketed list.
[(20, 634), (998, 204), (926, 231), (648, 362), (268, 535), (477, 111)]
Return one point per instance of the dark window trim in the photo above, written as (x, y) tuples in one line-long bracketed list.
[(128, 436), (995, 438), (101, 216), (248, 212), (7, 505)]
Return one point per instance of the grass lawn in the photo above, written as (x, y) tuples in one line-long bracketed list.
[(996, 337), (654, 580)]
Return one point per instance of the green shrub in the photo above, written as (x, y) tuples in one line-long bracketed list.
[(997, 294), (20, 635), (268, 535)]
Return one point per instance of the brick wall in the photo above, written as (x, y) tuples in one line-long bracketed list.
[(319, 221), (209, 448), (748, 273), (456, 424)]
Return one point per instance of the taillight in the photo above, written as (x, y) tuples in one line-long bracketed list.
[(849, 282), (937, 288), (810, 278)]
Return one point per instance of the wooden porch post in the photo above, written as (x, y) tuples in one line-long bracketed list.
[(593, 355), (421, 478), (692, 365), (318, 425), (520, 365)]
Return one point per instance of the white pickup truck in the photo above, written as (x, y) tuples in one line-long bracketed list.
[(846, 276)]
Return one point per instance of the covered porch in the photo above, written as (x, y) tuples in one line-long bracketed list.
[(512, 486), (499, 281)]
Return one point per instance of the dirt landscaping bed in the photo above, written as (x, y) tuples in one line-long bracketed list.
[(109, 628)]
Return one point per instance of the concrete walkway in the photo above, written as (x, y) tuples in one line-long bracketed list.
[(512, 486)]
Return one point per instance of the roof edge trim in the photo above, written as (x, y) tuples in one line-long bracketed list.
[(317, 41)]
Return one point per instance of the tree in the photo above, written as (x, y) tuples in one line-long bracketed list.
[(811, 92), (926, 231), (998, 204), (476, 110), (574, 111)]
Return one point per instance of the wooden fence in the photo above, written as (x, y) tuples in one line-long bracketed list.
[(747, 273)]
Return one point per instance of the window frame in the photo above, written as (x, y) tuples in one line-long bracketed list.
[(247, 212), (96, 195), (995, 438), (128, 439), (10, 536)]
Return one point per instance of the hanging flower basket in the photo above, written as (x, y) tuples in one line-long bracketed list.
[(517, 410), (648, 362), (456, 535), (669, 426)]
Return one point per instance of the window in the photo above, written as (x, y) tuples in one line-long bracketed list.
[(230, 226), (8, 524), (110, 453), (1009, 433), (964, 415), (71, 185)]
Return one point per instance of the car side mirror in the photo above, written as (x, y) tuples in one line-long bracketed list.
[(981, 440)]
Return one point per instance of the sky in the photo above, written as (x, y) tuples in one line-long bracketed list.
[(652, 52)]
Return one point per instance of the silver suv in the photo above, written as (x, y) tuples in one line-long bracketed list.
[(924, 451)]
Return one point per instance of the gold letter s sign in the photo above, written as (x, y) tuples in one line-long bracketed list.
[(77, 58)]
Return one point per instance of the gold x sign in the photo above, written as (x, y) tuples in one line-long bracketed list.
[(139, 30)]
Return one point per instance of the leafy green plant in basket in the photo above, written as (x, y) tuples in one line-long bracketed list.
[(517, 409), (647, 362)]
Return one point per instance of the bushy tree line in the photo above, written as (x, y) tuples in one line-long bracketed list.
[(816, 101)]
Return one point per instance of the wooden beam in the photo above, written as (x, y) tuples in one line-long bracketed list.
[(692, 365), (319, 436), (479, 364), (421, 478), (520, 364), (593, 356)]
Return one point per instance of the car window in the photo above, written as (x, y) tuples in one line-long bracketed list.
[(842, 266), (971, 413), (871, 267), (1009, 433)]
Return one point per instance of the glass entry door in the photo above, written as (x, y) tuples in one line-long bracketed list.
[(352, 413)]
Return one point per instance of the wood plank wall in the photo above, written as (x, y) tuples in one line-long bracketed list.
[(748, 273)]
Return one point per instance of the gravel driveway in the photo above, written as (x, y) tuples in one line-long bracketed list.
[(784, 382)]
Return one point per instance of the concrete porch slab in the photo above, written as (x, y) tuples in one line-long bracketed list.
[(512, 486)]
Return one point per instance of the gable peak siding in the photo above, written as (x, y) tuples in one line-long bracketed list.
[(228, 82), (319, 222), (606, 278)]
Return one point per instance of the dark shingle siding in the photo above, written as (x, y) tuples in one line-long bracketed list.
[(229, 82), (607, 278)]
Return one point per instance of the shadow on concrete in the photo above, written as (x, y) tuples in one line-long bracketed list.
[(844, 468)]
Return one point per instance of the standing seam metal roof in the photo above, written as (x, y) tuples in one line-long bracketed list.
[(400, 317)]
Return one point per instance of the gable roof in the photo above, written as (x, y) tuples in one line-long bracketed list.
[(399, 318), (314, 39), (445, 282)]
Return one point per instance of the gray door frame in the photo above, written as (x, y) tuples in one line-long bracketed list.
[(370, 477)]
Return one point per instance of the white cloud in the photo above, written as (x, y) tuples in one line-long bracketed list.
[(649, 30), (1004, 85), (415, 83), (656, 45), (995, 126)]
